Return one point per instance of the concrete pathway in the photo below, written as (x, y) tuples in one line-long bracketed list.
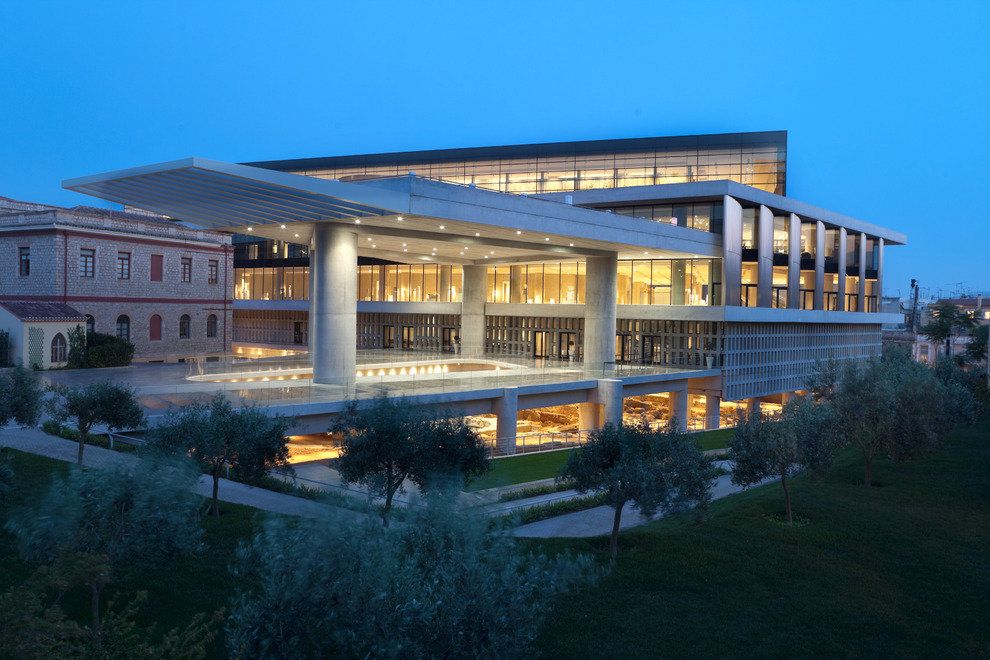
[(598, 520), (34, 441)]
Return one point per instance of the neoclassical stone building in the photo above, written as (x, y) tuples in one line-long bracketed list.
[(163, 286)]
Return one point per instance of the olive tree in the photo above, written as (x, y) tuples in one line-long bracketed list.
[(654, 469), (800, 438), (390, 441), (90, 523), (106, 403), (217, 435), (20, 397), (443, 584)]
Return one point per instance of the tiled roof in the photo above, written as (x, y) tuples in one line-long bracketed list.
[(27, 310)]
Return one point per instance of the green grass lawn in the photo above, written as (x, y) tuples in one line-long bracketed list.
[(532, 467), (522, 468), (900, 569)]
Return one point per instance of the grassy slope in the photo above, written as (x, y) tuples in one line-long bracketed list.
[(899, 569), (176, 592), (531, 467)]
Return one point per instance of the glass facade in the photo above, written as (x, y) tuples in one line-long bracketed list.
[(669, 282), (760, 166), (545, 283), (809, 240), (749, 229), (706, 216), (410, 283), (780, 234), (272, 283), (247, 248)]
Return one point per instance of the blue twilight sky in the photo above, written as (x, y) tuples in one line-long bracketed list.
[(886, 103)]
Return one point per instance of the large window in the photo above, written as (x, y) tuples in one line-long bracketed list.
[(546, 283), (87, 262), (669, 282), (123, 265), (749, 229), (705, 216), (214, 272), (762, 166), (808, 240), (90, 324), (24, 261), (59, 348), (186, 269), (185, 331), (124, 327), (211, 326)]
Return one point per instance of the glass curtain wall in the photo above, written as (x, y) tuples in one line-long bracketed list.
[(705, 216), (282, 283), (545, 283)]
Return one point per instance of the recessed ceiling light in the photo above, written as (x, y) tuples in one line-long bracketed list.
[(518, 232), (442, 227), (403, 245), (405, 250), (492, 252), (282, 226), (486, 256), (373, 245), (572, 244), (296, 235), (399, 218), (369, 239), (547, 238), (357, 222), (250, 228), (477, 234)]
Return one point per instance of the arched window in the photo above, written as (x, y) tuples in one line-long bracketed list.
[(184, 323), (155, 328), (58, 348), (90, 324), (124, 327), (211, 325)]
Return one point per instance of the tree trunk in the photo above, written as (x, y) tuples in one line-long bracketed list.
[(215, 502), (787, 495), (948, 347), (82, 445), (387, 507), (868, 478), (613, 546), (94, 605)]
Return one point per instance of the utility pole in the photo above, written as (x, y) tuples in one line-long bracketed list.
[(914, 304)]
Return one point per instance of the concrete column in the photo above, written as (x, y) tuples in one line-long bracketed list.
[(731, 252), (841, 280), (794, 263), (879, 286), (589, 416), (506, 409), (333, 304), (713, 416), (753, 405), (861, 255), (678, 273), (610, 396), (309, 313), (473, 311), (764, 257), (679, 408), (599, 312), (819, 265)]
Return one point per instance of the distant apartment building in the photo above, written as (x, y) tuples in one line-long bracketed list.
[(166, 288)]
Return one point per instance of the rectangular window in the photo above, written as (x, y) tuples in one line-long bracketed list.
[(186, 269), (123, 265), (156, 267), (214, 272), (24, 261), (87, 262)]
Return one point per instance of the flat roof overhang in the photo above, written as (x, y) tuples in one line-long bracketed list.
[(404, 218), (747, 195)]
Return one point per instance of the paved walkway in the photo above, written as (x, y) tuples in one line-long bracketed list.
[(598, 520), (34, 441)]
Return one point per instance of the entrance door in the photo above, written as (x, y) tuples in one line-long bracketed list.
[(447, 340), (299, 331), (408, 337), (567, 345), (541, 344), (388, 336)]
